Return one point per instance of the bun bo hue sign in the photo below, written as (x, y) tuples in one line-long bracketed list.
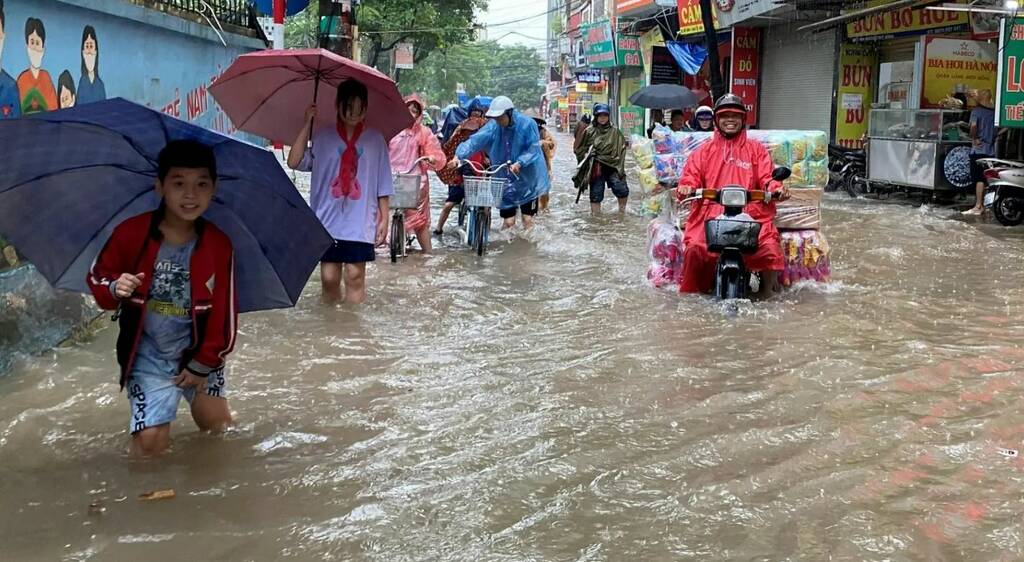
[(906, 21)]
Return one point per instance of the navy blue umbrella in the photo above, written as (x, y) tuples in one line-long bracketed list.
[(69, 177)]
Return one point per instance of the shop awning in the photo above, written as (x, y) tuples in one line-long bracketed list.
[(858, 14), (689, 56)]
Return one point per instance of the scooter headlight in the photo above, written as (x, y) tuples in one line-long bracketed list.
[(734, 197)]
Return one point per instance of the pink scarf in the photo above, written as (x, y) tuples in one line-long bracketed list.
[(346, 184)]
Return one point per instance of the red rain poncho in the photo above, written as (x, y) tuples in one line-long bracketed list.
[(716, 164), (405, 148)]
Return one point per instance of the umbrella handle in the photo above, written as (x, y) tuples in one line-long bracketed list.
[(316, 93)]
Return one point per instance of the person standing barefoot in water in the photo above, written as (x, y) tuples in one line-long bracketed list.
[(350, 191)]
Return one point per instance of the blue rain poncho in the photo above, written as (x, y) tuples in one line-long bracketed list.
[(519, 142)]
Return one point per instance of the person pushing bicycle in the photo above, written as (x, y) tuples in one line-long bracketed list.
[(510, 136)]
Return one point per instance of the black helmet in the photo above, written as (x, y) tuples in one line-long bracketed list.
[(730, 101)]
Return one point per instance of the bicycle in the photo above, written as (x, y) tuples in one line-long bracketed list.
[(407, 196), (482, 193)]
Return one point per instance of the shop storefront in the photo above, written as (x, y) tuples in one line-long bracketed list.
[(905, 83), (797, 75)]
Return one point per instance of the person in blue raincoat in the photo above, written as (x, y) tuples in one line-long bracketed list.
[(511, 137)]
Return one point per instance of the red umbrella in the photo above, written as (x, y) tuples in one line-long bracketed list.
[(266, 93)]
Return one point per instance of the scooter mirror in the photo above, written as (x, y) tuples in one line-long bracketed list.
[(781, 173)]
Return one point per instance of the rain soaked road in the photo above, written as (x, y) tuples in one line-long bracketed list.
[(542, 403)]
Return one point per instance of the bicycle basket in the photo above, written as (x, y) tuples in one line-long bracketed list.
[(484, 191), (407, 191)]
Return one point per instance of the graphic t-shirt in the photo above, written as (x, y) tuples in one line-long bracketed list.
[(167, 328)]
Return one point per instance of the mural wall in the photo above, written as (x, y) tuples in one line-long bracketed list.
[(60, 53)]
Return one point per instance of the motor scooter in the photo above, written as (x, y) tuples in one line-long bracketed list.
[(1004, 189), (734, 234)]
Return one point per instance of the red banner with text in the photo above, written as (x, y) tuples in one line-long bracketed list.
[(746, 68)]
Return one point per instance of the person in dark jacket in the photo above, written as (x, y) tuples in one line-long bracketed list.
[(170, 275)]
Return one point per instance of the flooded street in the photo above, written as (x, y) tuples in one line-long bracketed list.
[(543, 403)]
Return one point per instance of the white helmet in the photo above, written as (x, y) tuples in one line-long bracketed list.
[(499, 106), (704, 109)]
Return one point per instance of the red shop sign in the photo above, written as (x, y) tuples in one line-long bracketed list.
[(746, 68)]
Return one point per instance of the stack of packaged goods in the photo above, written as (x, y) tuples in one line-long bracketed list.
[(661, 160)]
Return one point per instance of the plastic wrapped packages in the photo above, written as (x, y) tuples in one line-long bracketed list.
[(801, 212), (806, 256), (817, 173), (799, 146), (668, 168), (819, 145), (653, 206), (661, 136), (643, 151), (648, 181), (798, 178), (665, 249)]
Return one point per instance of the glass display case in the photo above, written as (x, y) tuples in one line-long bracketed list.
[(921, 148)]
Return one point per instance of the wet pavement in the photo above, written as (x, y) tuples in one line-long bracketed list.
[(543, 403)]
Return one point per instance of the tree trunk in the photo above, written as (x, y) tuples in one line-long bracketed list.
[(718, 88)]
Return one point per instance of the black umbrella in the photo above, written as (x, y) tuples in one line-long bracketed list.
[(665, 96)]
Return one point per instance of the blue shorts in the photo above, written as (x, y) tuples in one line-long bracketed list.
[(154, 398), (612, 179), (347, 251), (456, 194)]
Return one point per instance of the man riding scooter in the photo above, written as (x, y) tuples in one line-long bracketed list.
[(730, 159)]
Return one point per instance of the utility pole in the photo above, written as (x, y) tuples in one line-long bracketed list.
[(279, 11), (337, 24), (718, 88)]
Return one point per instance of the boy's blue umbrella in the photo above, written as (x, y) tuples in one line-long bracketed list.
[(69, 177)]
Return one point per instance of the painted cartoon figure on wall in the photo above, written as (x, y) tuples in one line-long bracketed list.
[(66, 90), (10, 102), (35, 84), (90, 87)]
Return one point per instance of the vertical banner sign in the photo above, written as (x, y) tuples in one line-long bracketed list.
[(599, 44), (1010, 93), (746, 68), (627, 50), (631, 120), (956, 65), (854, 96), (403, 56)]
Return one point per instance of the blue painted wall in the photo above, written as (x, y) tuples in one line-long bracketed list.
[(159, 60)]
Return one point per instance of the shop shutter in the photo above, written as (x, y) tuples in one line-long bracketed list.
[(797, 72), (897, 50)]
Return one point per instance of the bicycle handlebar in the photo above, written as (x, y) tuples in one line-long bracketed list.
[(417, 163), (491, 171)]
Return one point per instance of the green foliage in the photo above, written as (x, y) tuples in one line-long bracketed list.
[(485, 68), (300, 30), (429, 25)]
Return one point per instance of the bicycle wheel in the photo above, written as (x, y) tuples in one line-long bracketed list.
[(397, 236), (480, 232), (470, 227), (463, 211)]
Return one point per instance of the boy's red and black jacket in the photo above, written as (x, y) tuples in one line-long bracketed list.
[(133, 248)]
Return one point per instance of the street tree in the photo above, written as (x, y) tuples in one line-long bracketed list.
[(428, 24), (484, 68)]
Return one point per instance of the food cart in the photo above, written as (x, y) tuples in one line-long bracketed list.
[(919, 148)]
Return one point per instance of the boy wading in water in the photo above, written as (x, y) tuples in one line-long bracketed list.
[(170, 275)]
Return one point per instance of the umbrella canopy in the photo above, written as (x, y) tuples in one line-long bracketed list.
[(266, 93), (665, 96), (73, 175)]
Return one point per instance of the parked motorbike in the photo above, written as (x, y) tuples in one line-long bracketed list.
[(853, 173), (1004, 189), (838, 159), (734, 234)]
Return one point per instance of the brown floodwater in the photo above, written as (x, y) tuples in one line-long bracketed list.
[(543, 403)]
